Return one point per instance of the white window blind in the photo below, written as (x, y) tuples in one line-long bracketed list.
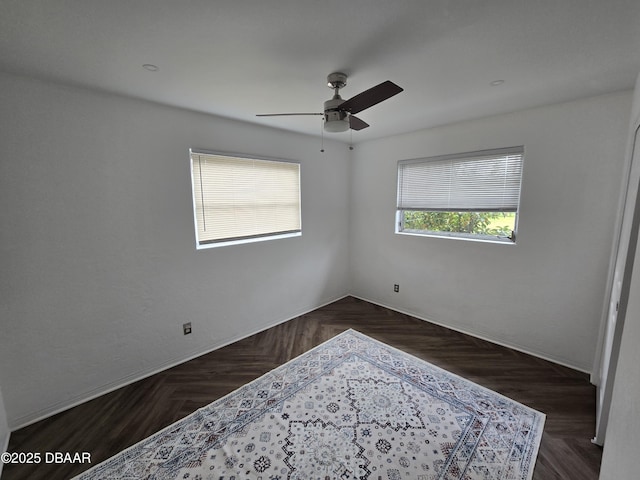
[(239, 198), (484, 181)]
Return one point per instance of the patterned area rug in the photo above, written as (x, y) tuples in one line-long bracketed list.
[(351, 408)]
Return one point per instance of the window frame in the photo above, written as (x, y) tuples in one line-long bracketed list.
[(463, 157), (251, 238)]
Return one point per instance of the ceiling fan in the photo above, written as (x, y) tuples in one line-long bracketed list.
[(338, 113)]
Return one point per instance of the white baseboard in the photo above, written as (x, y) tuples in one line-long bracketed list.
[(512, 346), (42, 414)]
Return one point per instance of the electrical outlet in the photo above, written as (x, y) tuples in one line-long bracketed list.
[(186, 328), (396, 287)]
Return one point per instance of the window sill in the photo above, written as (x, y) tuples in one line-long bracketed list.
[(226, 243), (460, 236)]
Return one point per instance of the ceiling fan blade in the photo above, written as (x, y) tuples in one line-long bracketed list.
[(285, 114), (356, 124), (371, 97)]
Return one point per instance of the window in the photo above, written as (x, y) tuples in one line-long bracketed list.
[(473, 195), (240, 200)]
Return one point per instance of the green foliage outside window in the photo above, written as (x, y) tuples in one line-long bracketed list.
[(478, 223)]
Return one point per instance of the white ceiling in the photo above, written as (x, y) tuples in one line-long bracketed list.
[(236, 58)]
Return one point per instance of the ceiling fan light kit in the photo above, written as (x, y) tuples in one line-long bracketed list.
[(335, 120), (339, 113)]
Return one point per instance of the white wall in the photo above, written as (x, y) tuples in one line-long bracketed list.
[(543, 295), (98, 259), (619, 458), (98, 253)]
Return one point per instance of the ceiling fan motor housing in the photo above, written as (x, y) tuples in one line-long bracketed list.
[(335, 120)]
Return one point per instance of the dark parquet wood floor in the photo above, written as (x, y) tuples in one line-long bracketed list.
[(117, 420)]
